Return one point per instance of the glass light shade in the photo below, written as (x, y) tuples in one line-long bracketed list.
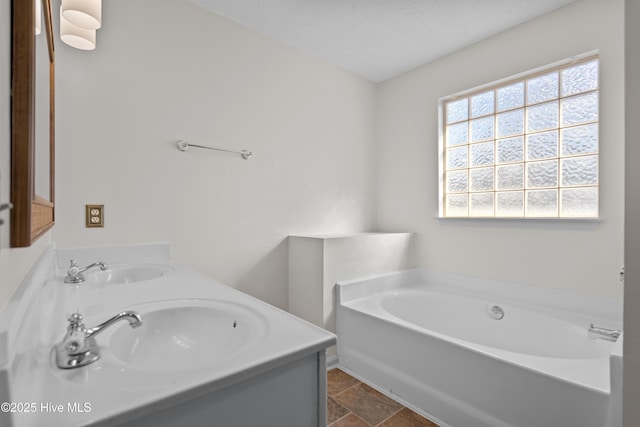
[(83, 13), (38, 22), (75, 36)]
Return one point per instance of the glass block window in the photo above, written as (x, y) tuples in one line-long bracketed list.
[(527, 148)]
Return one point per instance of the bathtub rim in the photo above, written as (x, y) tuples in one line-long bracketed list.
[(350, 293), (520, 294)]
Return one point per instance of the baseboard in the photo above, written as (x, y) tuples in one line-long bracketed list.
[(332, 362)]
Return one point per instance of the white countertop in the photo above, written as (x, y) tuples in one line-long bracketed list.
[(117, 392)]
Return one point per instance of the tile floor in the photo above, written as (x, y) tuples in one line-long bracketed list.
[(352, 403)]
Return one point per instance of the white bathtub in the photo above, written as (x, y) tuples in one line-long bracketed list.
[(430, 340)]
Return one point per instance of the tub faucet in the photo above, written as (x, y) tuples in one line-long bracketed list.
[(78, 347), (595, 332), (74, 274)]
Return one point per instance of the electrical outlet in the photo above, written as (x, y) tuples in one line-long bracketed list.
[(95, 216)]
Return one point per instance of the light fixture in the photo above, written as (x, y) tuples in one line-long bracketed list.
[(75, 36), (38, 16), (83, 13)]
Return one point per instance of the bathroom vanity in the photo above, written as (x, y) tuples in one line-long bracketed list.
[(205, 353)]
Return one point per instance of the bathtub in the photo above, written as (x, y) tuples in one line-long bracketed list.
[(468, 352)]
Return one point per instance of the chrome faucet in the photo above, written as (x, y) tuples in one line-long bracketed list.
[(595, 332), (78, 347), (74, 274)]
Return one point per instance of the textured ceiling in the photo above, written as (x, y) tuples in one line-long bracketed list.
[(379, 39)]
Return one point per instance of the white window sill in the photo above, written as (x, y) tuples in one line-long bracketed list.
[(519, 219)]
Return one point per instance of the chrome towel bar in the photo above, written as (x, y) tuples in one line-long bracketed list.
[(184, 146)]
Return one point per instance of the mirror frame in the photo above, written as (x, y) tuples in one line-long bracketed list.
[(32, 215)]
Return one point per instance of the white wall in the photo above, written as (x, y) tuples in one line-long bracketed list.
[(175, 71), (14, 263), (584, 257), (167, 70), (631, 383)]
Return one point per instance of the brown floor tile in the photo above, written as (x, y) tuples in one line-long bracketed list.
[(335, 410), (406, 418), (351, 420), (367, 403), (338, 381)]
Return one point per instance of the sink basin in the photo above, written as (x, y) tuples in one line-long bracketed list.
[(129, 273), (187, 334)]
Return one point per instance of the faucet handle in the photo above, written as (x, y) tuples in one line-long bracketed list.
[(74, 268), (74, 340), (75, 323), (75, 318)]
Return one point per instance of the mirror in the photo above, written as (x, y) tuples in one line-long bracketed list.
[(32, 123)]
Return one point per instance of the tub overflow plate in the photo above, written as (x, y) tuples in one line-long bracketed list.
[(497, 312)]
